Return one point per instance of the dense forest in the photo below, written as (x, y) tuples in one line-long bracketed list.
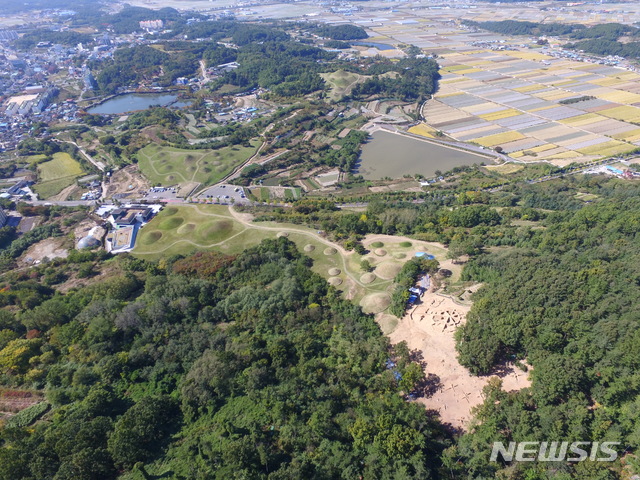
[(128, 19), (560, 294), (211, 366), (342, 32), (414, 79), (208, 367), (288, 68), (29, 40), (565, 300), (515, 27), (267, 58)]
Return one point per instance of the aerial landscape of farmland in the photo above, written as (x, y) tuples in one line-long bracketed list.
[(374, 240)]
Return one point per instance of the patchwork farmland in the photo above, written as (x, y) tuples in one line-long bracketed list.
[(508, 92), (511, 100)]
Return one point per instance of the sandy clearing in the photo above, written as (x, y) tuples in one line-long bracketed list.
[(429, 328), (48, 248), (127, 180)]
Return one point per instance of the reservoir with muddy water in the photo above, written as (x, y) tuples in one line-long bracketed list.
[(392, 155), (132, 102)]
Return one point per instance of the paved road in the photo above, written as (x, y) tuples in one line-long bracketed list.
[(546, 178), (66, 203)]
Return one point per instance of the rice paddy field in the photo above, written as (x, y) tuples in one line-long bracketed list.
[(511, 99), (188, 228), (56, 174), (498, 91), (171, 166)]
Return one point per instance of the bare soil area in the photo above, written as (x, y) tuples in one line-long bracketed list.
[(14, 400), (49, 248), (72, 191), (429, 328), (127, 180)]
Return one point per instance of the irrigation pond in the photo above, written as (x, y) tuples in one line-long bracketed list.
[(394, 155)]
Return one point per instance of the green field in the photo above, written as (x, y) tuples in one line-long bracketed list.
[(170, 166), (186, 229), (57, 174)]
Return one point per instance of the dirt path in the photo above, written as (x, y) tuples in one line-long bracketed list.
[(64, 194), (429, 328), (244, 219), (203, 69)]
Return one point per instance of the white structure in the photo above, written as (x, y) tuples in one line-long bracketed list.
[(152, 24)]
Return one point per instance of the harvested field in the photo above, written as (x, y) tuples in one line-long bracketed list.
[(57, 174)]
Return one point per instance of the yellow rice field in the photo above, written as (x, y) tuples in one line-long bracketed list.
[(567, 154), (621, 97), (509, 112), (499, 138), (581, 120), (625, 113), (612, 147), (628, 136), (544, 148), (528, 88), (423, 130), (607, 82), (527, 55), (539, 109)]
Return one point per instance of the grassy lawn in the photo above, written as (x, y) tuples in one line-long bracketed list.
[(185, 229), (169, 166), (341, 83), (62, 165), (56, 174)]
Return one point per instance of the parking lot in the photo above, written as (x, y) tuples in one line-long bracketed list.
[(225, 194), (162, 193)]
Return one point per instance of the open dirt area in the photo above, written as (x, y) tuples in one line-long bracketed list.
[(127, 180), (72, 191), (13, 401), (49, 248), (429, 328)]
